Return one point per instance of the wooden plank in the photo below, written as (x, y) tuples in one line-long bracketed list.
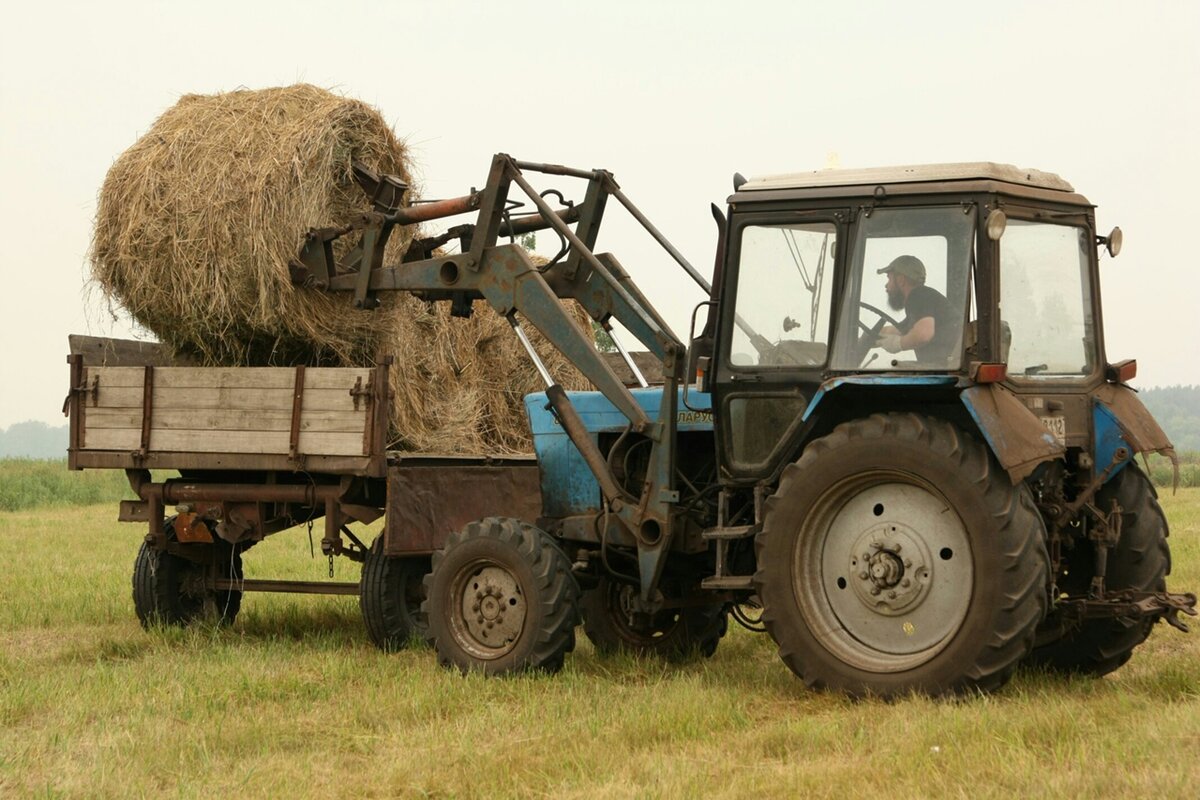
[(229, 420), (103, 351), (217, 441), (123, 459), (232, 377), (232, 399)]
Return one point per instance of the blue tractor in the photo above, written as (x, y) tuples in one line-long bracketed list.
[(895, 441)]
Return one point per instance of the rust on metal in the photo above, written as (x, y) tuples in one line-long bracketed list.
[(287, 587), (297, 406), (190, 528), (427, 502), (147, 408), (1015, 434)]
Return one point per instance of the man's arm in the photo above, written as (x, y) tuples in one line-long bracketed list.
[(921, 332)]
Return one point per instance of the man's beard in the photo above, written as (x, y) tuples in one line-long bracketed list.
[(896, 299)]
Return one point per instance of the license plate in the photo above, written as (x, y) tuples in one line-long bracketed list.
[(1057, 426)]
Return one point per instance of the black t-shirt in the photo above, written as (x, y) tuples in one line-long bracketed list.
[(925, 302)]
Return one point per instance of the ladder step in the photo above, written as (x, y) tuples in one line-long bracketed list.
[(735, 532), (727, 582)]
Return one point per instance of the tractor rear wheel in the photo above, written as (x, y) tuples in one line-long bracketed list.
[(168, 589), (1140, 561), (390, 594), (897, 557), (673, 633), (501, 599)]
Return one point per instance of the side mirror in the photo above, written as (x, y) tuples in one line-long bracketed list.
[(997, 221), (1112, 242)]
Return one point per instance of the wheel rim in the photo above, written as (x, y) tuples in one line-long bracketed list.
[(488, 609), (883, 571)]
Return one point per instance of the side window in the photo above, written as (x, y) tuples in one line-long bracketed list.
[(784, 294)]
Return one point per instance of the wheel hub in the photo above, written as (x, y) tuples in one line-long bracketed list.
[(492, 611), (892, 568)]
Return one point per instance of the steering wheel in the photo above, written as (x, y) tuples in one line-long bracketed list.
[(870, 333)]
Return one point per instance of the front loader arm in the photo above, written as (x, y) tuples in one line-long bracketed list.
[(505, 277)]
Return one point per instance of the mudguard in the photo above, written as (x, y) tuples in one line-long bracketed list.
[(1013, 432), (1121, 420)]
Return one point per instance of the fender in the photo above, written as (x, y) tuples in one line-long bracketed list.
[(1121, 420), (1013, 432)]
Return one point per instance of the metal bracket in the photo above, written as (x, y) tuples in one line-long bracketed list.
[(294, 453), (365, 394)]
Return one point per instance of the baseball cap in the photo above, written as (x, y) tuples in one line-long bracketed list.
[(908, 266)]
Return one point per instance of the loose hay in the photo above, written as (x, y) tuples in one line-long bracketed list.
[(196, 224)]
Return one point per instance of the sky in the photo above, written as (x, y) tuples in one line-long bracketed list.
[(672, 97)]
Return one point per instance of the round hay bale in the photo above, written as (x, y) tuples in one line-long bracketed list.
[(196, 225), (197, 221)]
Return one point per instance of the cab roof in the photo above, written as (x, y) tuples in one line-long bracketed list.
[(919, 173)]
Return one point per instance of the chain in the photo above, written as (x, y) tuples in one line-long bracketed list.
[(331, 565)]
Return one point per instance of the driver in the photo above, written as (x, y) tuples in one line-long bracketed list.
[(927, 327)]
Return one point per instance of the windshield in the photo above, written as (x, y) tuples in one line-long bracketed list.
[(1046, 325), (906, 297)]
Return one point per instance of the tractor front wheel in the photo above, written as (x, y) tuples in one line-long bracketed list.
[(501, 599), (672, 634)]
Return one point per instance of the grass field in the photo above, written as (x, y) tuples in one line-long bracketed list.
[(293, 701)]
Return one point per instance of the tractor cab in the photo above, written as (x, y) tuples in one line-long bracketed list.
[(896, 289)]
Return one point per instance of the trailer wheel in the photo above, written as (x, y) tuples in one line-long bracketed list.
[(501, 599), (897, 557), (673, 634), (1140, 561), (390, 595), (168, 589)]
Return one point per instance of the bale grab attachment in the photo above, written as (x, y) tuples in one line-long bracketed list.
[(504, 276)]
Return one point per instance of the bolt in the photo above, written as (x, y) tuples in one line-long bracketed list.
[(906, 583), (481, 619), (475, 608), (866, 556), (863, 575), (908, 562), (875, 590), (897, 549), (891, 595), (491, 624)]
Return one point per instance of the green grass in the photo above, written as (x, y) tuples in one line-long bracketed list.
[(294, 701), (33, 483)]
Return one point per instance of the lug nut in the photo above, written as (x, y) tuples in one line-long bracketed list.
[(891, 595), (863, 575), (897, 548), (906, 583), (908, 562), (875, 590)]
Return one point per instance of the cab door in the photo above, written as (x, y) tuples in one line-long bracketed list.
[(776, 327)]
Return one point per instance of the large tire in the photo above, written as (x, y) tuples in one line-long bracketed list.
[(897, 557), (166, 588), (1141, 561), (390, 594), (673, 634), (501, 599)]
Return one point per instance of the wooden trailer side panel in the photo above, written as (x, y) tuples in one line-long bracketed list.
[(254, 417)]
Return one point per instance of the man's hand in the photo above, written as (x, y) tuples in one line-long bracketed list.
[(891, 342)]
